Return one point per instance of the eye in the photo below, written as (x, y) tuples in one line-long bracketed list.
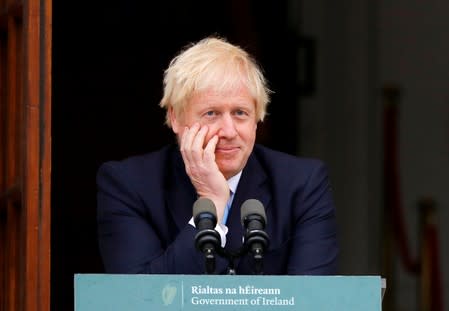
[(241, 113), (210, 113)]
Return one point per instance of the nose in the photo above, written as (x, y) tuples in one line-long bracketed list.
[(227, 127)]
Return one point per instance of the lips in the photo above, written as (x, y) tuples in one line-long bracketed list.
[(227, 149)]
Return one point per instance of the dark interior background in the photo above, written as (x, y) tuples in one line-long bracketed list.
[(108, 62)]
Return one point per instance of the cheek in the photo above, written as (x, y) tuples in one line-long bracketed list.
[(249, 133)]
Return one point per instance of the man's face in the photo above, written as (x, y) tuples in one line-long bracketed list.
[(231, 115)]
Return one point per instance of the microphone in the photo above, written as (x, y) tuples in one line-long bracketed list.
[(256, 240), (207, 240)]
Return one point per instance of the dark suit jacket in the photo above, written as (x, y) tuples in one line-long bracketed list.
[(145, 203)]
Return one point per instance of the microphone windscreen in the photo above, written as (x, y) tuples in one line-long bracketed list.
[(204, 205), (252, 207)]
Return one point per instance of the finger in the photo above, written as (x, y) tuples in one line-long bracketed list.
[(186, 141), (190, 134), (209, 151), (198, 143), (182, 145)]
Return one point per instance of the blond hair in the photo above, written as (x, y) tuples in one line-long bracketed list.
[(212, 63)]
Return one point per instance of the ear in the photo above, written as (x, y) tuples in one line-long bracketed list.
[(175, 124)]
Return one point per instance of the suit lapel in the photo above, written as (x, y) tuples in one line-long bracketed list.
[(252, 185), (180, 193)]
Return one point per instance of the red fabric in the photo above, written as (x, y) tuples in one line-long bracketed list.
[(393, 204), (395, 214), (436, 289)]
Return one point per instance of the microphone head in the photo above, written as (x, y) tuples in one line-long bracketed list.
[(204, 208), (252, 207)]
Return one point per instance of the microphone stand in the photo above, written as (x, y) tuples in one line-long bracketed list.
[(209, 261), (206, 241), (231, 267), (256, 241), (258, 262)]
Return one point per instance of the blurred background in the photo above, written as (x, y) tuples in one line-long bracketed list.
[(360, 84)]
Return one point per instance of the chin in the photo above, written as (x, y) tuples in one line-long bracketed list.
[(229, 172)]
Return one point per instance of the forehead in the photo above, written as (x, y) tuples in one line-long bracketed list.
[(234, 96)]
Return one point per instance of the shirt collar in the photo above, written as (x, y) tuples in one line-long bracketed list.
[(234, 181)]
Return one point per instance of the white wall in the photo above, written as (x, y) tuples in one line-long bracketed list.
[(363, 44)]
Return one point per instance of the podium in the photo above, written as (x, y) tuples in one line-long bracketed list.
[(114, 292)]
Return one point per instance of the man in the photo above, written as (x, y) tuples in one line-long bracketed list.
[(214, 96)]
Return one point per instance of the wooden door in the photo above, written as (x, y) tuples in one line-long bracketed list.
[(25, 154)]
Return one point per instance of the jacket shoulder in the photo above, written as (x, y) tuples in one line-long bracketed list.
[(137, 168), (283, 161)]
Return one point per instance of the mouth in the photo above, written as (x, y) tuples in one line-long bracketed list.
[(226, 149)]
